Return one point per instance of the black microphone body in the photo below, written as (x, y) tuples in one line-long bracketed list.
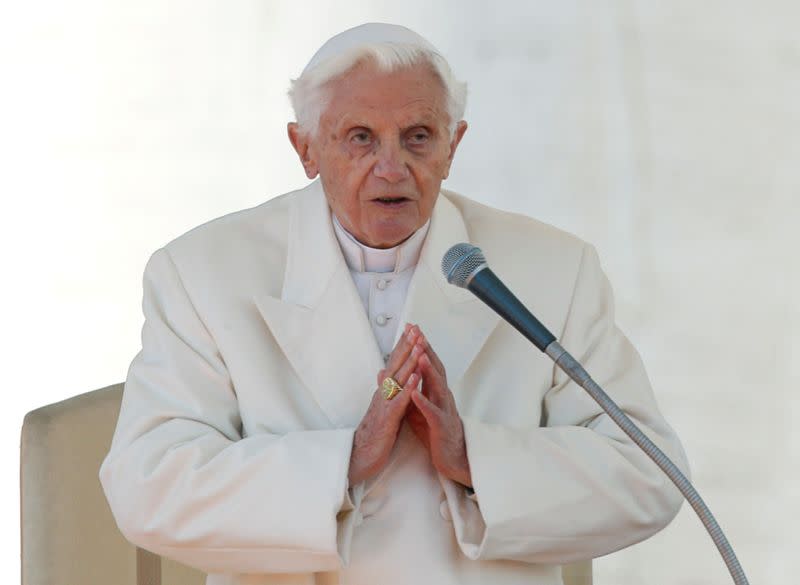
[(485, 285)]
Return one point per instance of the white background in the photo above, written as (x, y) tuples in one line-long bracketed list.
[(666, 133)]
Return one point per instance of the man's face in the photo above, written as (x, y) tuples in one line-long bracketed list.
[(382, 150)]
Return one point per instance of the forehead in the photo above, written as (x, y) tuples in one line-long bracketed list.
[(365, 93)]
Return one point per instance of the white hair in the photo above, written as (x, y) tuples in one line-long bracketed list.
[(308, 94)]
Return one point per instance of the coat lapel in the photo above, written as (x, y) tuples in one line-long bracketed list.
[(319, 321), (454, 321)]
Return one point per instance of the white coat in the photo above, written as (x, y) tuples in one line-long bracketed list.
[(232, 446)]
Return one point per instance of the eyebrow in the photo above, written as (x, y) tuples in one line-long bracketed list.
[(347, 124)]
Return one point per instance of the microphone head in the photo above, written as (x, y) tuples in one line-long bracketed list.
[(461, 262)]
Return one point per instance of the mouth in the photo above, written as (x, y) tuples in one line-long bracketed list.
[(391, 201)]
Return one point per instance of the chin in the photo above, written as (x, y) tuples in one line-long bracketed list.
[(389, 239), (387, 236)]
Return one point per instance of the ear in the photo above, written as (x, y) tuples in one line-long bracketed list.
[(461, 128), (301, 143)]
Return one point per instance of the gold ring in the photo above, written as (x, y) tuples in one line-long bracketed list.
[(390, 388)]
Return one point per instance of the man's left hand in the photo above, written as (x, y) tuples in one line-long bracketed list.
[(435, 421)]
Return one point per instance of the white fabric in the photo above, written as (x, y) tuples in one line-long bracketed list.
[(234, 435), (381, 277), (371, 32)]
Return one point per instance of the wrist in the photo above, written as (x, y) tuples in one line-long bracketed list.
[(461, 478), (365, 461)]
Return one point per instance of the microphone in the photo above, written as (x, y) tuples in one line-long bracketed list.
[(465, 266)]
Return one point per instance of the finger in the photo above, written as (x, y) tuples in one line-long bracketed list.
[(414, 416), (383, 417), (427, 409), (402, 350), (413, 382), (397, 406), (437, 363), (418, 425), (433, 382), (418, 371), (409, 366)]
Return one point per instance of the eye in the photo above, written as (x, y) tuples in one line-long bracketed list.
[(418, 136), (360, 137)]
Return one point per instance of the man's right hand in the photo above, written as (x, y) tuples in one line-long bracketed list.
[(377, 432)]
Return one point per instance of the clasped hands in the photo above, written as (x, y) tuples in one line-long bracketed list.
[(429, 409)]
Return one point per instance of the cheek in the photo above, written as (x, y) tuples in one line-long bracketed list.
[(429, 176), (344, 172), (352, 166), (437, 163)]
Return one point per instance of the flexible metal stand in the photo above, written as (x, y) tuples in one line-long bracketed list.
[(575, 371)]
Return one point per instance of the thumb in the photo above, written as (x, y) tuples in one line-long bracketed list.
[(425, 406), (435, 389)]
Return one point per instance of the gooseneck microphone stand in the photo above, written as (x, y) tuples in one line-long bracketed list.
[(465, 266)]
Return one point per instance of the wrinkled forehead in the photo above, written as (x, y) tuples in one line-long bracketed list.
[(409, 94)]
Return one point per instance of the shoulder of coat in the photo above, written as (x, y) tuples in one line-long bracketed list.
[(507, 231)]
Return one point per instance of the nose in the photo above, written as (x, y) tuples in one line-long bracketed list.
[(390, 163)]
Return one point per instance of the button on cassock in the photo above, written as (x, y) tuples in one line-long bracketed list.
[(382, 319)]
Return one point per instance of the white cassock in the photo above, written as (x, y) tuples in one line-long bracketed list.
[(258, 361)]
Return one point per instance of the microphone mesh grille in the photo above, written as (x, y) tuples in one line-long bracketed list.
[(460, 261)]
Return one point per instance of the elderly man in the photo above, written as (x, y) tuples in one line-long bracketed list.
[(313, 403)]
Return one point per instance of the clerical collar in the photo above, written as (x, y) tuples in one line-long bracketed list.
[(362, 258)]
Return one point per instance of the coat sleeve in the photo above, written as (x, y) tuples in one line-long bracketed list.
[(183, 483), (578, 487)]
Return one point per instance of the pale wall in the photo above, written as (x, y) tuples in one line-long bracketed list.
[(663, 132)]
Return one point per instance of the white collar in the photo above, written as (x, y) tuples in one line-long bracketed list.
[(362, 258)]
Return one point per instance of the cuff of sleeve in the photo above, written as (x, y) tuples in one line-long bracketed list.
[(348, 503), (462, 503), (468, 522), (470, 491), (348, 516)]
